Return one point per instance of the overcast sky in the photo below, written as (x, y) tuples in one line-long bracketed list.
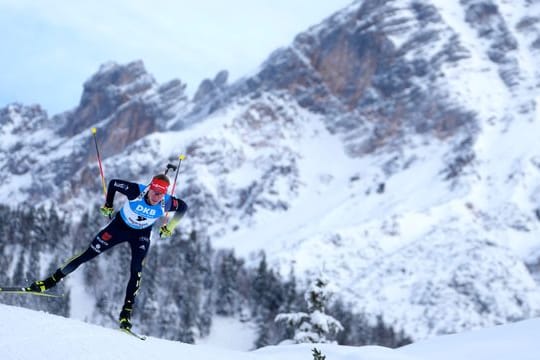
[(50, 48)]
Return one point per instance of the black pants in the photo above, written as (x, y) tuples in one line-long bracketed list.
[(113, 234)]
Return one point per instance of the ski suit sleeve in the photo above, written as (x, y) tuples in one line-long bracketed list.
[(130, 189), (179, 207)]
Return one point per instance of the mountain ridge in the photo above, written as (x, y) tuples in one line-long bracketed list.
[(368, 134)]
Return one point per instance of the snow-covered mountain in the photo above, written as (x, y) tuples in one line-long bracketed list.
[(392, 146)]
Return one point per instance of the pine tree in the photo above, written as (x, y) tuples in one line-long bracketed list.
[(205, 316), (267, 298), (259, 284), (359, 329), (317, 355), (227, 270), (314, 326), (267, 288)]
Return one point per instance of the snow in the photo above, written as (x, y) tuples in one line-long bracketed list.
[(512, 341), (22, 337), (82, 304), (230, 333)]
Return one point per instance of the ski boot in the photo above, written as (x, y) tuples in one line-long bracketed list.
[(125, 317), (44, 285)]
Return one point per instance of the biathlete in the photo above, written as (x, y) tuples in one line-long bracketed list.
[(132, 224)]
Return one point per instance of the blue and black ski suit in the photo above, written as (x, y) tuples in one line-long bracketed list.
[(132, 224)]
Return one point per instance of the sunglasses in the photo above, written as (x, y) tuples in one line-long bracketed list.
[(157, 192)]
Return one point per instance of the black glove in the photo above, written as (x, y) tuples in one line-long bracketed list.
[(165, 232)]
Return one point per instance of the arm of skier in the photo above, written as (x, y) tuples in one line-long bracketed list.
[(131, 190), (179, 207)]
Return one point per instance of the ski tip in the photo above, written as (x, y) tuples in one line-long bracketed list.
[(129, 332)]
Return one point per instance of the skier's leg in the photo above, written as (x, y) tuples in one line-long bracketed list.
[(139, 249), (102, 242)]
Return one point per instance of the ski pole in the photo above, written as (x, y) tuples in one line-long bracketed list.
[(180, 158), (170, 167), (94, 130)]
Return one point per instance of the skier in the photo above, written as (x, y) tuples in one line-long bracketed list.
[(133, 223)]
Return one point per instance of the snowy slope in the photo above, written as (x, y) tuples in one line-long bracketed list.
[(27, 335)]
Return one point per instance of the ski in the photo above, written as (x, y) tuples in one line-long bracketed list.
[(130, 332), (23, 290)]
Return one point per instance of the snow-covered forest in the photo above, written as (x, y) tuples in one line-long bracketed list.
[(186, 283)]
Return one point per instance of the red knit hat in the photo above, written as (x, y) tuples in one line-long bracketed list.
[(159, 185)]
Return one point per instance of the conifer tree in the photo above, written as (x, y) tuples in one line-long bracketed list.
[(314, 326), (227, 297), (317, 354)]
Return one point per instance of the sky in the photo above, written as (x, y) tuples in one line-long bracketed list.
[(22, 338), (50, 48)]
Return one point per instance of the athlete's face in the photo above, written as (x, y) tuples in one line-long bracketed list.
[(155, 196)]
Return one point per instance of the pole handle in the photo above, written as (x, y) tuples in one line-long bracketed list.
[(180, 158)]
